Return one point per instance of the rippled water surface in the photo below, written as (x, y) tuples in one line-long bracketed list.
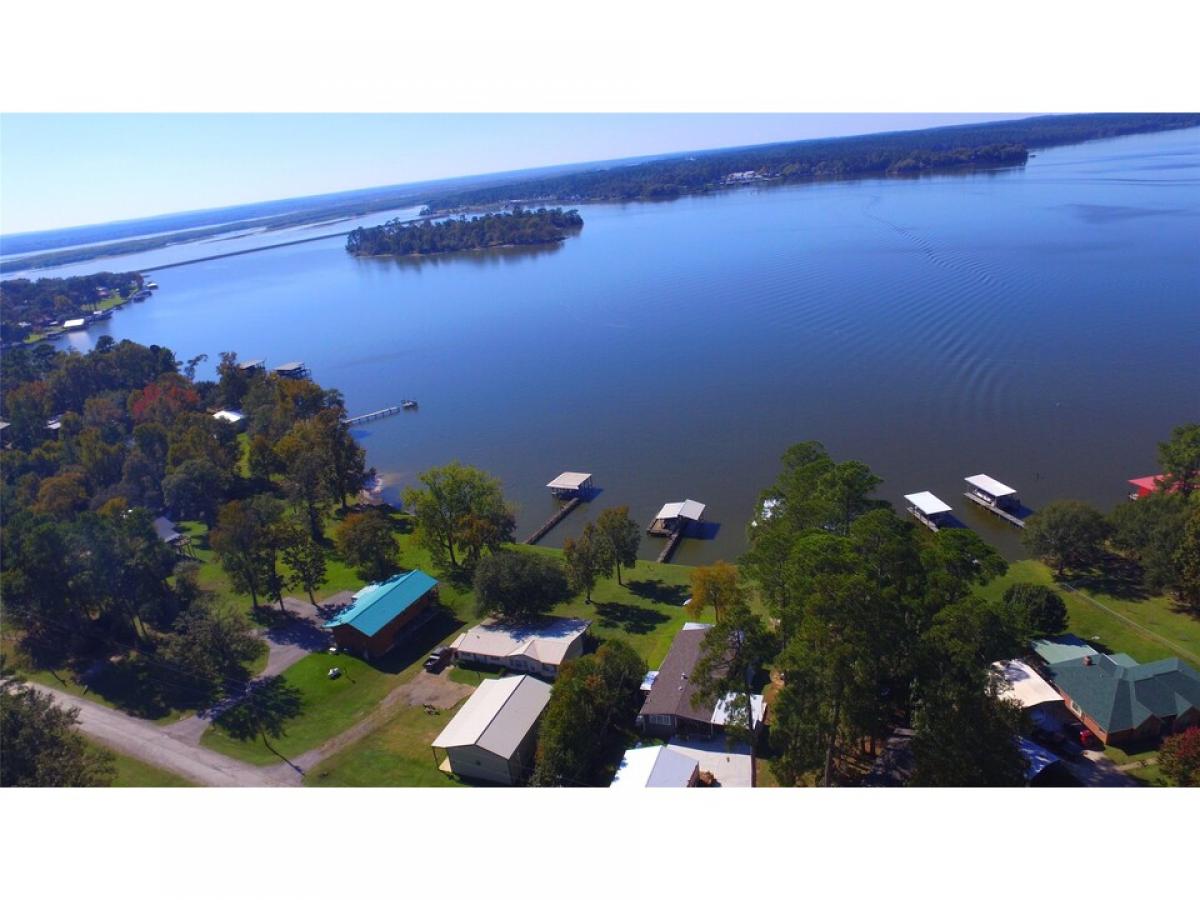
[(1041, 325)]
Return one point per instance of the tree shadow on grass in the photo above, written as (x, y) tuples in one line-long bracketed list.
[(140, 687), (1117, 577), (629, 618), (657, 591)]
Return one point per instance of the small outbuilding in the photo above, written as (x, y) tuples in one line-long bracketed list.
[(167, 533), (492, 738), (928, 509), (382, 614), (658, 766), (74, 324)]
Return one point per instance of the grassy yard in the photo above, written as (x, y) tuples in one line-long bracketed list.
[(135, 773), (397, 754), (1147, 628), (330, 706)]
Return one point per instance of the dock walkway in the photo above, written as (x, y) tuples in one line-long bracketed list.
[(368, 417), (672, 543), (553, 520), (1006, 516)]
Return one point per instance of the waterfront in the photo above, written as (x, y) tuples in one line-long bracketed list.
[(1040, 324)]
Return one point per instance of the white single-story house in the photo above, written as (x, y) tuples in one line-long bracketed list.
[(539, 646), (492, 737), (658, 766)]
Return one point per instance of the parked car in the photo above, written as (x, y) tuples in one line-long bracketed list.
[(437, 659)]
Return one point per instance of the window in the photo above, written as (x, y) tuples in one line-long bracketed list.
[(660, 720)]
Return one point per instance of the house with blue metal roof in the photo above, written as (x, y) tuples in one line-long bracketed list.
[(382, 613)]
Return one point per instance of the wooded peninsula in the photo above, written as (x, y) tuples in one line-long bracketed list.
[(898, 153), (518, 228)]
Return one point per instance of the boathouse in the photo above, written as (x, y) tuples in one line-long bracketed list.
[(292, 370), (571, 484), (1149, 484), (927, 509), (675, 517), (253, 365), (992, 492), (383, 613)]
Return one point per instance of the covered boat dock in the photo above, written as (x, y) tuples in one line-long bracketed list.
[(928, 509), (995, 497)]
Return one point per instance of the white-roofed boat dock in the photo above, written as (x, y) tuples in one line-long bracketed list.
[(927, 509), (575, 488), (995, 497), (671, 522)]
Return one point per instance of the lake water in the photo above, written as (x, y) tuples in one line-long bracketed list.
[(1041, 325)]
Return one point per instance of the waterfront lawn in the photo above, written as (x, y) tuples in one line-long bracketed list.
[(133, 773), (1147, 628), (646, 612), (397, 754)]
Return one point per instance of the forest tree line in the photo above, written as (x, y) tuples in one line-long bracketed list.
[(895, 153), (517, 228)]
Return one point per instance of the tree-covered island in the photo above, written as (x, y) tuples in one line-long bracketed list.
[(517, 228)]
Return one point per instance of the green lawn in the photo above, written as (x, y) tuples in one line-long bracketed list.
[(397, 754), (1147, 628), (135, 773), (1150, 776)]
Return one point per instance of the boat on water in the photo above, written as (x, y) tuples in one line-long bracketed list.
[(408, 404), (151, 286)]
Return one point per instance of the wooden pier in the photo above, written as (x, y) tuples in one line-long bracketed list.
[(371, 416), (669, 549), (992, 508), (565, 511)]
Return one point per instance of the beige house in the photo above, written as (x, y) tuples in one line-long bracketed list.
[(492, 737), (539, 647)]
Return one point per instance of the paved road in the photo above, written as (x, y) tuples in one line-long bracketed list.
[(147, 742)]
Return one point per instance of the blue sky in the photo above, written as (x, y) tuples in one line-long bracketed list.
[(61, 170)]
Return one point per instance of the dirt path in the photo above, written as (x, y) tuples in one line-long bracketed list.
[(149, 743), (436, 690)]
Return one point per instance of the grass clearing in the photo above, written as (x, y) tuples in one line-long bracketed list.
[(397, 754), (1146, 628)]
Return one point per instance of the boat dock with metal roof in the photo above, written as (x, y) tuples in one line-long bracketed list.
[(927, 509), (575, 488), (672, 521), (994, 496)]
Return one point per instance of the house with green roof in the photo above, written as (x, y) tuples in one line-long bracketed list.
[(1124, 702), (382, 614)]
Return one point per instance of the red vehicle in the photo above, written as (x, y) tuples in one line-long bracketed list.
[(1089, 741)]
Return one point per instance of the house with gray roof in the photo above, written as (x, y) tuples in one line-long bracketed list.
[(672, 706), (493, 736), (1124, 702)]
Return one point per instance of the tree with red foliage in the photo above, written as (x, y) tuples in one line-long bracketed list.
[(1179, 758), (161, 401)]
